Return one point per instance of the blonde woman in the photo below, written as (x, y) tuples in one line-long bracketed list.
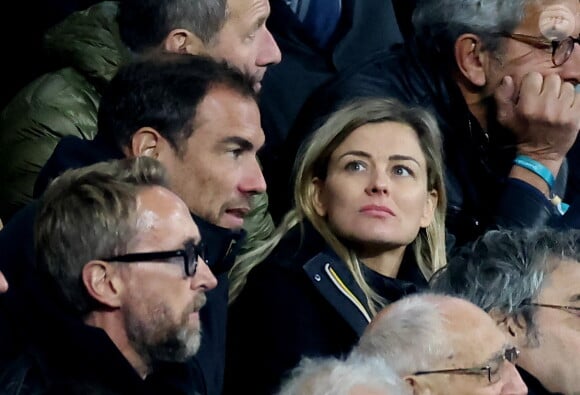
[(367, 228)]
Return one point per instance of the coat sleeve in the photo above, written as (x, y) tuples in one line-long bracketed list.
[(55, 105)]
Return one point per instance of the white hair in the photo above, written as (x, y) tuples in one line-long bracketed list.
[(410, 335), (333, 376)]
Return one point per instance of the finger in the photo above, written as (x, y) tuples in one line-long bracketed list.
[(3, 283), (504, 96), (551, 87), (567, 93), (576, 108), (531, 84)]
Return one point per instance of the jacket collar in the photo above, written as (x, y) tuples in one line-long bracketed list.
[(223, 244), (330, 276), (335, 283), (72, 152)]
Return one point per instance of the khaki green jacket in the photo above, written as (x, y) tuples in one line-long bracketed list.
[(57, 104)]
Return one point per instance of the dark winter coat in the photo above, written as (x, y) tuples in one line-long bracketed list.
[(302, 300)]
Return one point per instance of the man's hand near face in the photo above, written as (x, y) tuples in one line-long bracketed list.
[(3, 284), (544, 115)]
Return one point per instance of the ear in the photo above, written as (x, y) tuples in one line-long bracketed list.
[(319, 200), (418, 384), (183, 41), (146, 142), (102, 283), (515, 332), (429, 208), (470, 59)]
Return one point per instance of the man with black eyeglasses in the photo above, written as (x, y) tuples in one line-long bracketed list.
[(528, 282), (443, 345), (122, 254), (500, 76)]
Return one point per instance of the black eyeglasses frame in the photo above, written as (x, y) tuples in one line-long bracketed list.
[(190, 254)]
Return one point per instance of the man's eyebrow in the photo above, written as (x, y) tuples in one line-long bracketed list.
[(239, 141)]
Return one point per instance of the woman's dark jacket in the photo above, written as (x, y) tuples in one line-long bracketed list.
[(302, 300)]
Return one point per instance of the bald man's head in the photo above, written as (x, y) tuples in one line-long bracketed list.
[(429, 333)]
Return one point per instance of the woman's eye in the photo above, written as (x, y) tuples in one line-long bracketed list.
[(355, 166), (402, 171)]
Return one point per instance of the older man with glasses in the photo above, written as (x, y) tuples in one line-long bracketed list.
[(443, 345), (528, 282)]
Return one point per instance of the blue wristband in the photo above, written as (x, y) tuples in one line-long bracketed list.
[(536, 168)]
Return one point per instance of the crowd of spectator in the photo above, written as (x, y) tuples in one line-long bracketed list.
[(338, 197)]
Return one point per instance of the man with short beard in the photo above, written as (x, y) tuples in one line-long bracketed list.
[(122, 253)]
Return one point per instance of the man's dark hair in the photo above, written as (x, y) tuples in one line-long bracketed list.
[(144, 24), (163, 93)]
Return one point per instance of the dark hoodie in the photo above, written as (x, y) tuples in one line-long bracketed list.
[(17, 260)]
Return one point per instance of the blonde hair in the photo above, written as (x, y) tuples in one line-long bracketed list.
[(312, 162)]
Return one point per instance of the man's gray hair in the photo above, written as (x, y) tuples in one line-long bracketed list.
[(144, 24), (505, 270), (333, 376), (439, 23), (411, 334)]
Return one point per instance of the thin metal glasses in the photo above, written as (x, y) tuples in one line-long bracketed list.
[(561, 49), (568, 309), (190, 254), (509, 354)]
